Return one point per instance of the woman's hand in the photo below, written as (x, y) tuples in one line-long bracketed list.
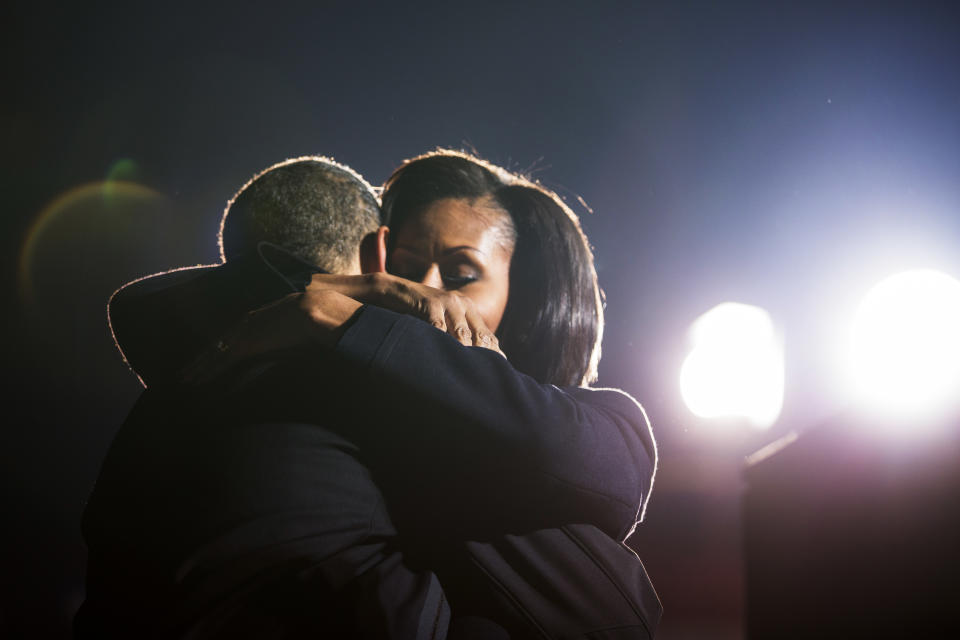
[(448, 311)]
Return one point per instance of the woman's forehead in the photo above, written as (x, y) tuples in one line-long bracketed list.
[(453, 222)]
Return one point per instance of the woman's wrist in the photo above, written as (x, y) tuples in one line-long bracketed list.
[(327, 314)]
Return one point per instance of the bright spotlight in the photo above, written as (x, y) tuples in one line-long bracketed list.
[(904, 353), (736, 366)]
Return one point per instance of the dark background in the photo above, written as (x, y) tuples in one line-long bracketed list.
[(787, 155)]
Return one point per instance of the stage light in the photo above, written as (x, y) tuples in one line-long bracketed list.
[(904, 350), (735, 369)]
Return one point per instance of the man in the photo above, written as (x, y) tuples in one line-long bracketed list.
[(209, 522), (548, 557)]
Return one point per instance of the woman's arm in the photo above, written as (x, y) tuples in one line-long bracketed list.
[(583, 452)]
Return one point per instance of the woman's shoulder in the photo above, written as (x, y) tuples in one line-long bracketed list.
[(622, 410), (611, 398)]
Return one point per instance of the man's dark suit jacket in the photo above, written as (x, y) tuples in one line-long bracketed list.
[(207, 523), (215, 517), (465, 449)]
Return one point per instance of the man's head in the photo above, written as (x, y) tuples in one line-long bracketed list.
[(313, 207)]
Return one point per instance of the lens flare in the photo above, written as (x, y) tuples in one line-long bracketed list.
[(735, 369), (904, 351), (123, 170), (110, 196)]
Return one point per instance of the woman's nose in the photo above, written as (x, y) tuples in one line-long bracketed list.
[(432, 277)]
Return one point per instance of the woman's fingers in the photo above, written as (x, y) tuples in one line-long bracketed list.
[(457, 324), (467, 324), (482, 336)]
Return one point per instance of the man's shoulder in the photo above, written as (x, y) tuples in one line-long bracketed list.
[(158, 283)]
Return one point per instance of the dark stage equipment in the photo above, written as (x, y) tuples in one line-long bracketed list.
[(854, 534)]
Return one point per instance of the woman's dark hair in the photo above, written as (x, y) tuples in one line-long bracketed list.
[(553, 321)]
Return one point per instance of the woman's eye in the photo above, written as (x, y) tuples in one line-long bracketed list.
[(455, 282)]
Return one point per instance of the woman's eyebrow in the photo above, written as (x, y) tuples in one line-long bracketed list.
[(462, 247)]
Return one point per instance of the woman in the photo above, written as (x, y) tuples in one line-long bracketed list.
[(534, 457)]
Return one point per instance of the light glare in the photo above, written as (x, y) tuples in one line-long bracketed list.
[(904, 355), (735, 368)]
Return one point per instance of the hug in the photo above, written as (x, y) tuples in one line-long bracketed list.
[(373, 420)]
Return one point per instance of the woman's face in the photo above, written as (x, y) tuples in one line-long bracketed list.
[(459, 245)]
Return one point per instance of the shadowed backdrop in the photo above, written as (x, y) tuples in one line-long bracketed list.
[(784, 155)]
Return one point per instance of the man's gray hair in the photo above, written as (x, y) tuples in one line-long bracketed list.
[(315, 208)]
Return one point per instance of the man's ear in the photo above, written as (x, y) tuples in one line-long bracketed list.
[(373, 251)]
